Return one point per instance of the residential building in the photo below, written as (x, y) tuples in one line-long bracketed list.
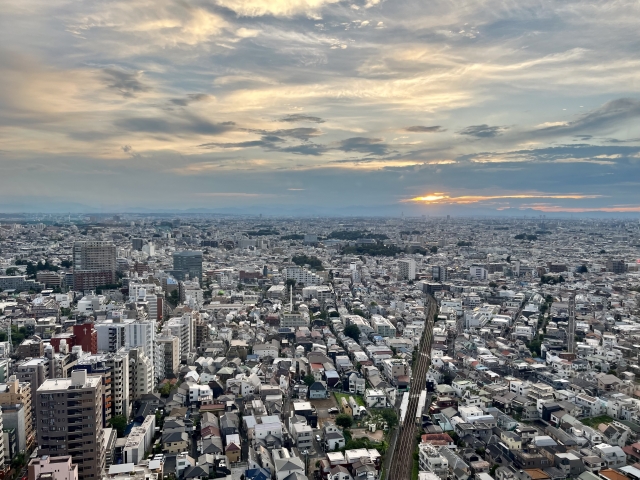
[(407, 269), (187, 264), (76, 430), (59, 468), (94, 264)]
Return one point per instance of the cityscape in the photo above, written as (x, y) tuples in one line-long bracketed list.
[(152, 346), (319, 240)]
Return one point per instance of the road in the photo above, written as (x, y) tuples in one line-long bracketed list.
[(402, 461)]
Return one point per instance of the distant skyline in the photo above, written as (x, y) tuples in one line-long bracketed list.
[(364, 107)]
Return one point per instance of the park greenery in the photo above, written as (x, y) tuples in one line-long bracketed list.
[(314, 262)]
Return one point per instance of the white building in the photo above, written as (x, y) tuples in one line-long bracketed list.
[(407, 269), (139, 440), (303, 276)]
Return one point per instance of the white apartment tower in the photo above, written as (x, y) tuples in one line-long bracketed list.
[(407, 269)]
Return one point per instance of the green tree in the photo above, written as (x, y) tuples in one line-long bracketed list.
[(165, 389), (174, 298), (12, 271), (309, 380), (390, 417), (343, 420), (119, 422), (352, 331), (433, 249)]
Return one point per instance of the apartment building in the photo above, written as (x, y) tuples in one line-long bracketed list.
[(34, 371), (15, 392), (69, 421), (60, 468), (383, 326), (169, 345), (407, 269), (94, 264)]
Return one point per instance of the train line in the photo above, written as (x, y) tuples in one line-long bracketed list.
[(402, 461)]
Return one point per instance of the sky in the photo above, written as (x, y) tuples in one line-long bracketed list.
[(354, 106)]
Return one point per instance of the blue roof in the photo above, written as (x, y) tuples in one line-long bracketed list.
[(257, 474)]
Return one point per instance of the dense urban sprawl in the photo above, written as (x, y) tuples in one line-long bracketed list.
[(248, 348)]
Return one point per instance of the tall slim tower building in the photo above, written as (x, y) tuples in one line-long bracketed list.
[(69, 421), (94, 264), (187, 262)]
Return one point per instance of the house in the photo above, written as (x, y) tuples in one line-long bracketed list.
[(184, 461), (430, 460), (286, 464), (318, 390), (302, 435), (614, 456), (608, 383), (333, 437), (375, 398), (357, 384), (339, 473), (569, 463), (257, 474), (511, 440), (175, 442), (233, 452), (346, 408)]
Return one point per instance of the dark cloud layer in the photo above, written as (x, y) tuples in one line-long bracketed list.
[(373, 146), (191, 98), (482, 131), (301, 118), (128, 84), (175, 126), (423, 129)]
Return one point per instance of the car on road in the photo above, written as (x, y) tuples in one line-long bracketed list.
[(318, 439), (333, 410)]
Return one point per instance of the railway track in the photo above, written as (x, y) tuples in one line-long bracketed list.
[(402, 461)]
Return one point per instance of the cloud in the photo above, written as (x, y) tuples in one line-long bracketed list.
[(298, 117), (190, 98), (600, 120), (306, 149), (188, 124), (482, 131), (128, 84), (267, 141), (277, 8), (374, 146), (423, 129), (300, 133)]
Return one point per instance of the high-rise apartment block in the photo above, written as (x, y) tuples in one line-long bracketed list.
[(189, 263), (69, 413), (170, 346), (616, 266), (407, 269), (137, 243), (94, 264), (439, 273)]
